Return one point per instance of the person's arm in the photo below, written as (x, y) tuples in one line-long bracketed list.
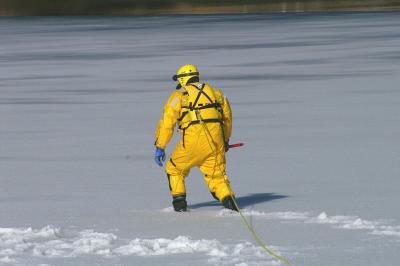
[(227, 114), (166, 125)]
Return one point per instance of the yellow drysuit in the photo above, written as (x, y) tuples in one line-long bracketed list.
[(204, 118)]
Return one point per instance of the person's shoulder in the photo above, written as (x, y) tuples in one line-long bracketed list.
[(174, 99), (218, 92), (177, 93), (212, 87)]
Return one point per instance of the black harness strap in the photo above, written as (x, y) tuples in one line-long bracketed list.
[(201, 91), (183, 115), (201, 106), (183, 136), (208, 97), (211, 105), (192, 107), (198, 96), (169, 182), (211, 120)]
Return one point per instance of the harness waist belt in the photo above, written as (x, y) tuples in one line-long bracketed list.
[(211, 105), (211, 120)]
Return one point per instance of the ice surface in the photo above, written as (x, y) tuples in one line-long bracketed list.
[(315, 99)]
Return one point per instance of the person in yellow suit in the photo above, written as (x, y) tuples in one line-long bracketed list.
[(204, 118)]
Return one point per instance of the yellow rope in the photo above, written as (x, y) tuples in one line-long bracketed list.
[(267, 249), (264, 246)]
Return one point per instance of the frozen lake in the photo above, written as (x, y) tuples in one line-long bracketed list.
[(315, 98)]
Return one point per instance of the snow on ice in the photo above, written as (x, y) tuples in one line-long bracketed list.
[(52, 242), (338, 221)]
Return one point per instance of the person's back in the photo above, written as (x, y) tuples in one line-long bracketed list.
[(201, 113), (204, 118)]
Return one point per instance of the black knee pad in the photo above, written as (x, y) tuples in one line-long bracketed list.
[(214, 196), (179, 203), (228, 203)]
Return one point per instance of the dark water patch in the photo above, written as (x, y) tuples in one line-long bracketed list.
[(254, 116), (258, 125), (293, 77), (318, 20), (213, 20), (373, 36), (111, 91), (387, 56), (83, 24), (89, 158), (23, 132), (303, 62), (6, 158), (377, 91), (137, 157), (158, 79), (297, 62), (270, 102), (73, 56), (264, 45), (355, 27), (279, 77), (32, 101), (77, 28), (43, 77)]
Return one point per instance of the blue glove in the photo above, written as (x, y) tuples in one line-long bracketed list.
[(160, 156)]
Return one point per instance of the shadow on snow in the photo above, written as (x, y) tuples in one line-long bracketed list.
[(243, 201)]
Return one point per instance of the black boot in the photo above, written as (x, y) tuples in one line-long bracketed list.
[(179, 203), (228, 203)]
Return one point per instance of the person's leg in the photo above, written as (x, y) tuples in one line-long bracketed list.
[(216, 179), (177, 168), (178, 190)]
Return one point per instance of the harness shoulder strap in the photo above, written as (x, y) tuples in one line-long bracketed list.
[(200, 88), (202, 92), (193, 105)]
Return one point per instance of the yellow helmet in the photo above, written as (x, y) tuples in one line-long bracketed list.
[(185, 73)]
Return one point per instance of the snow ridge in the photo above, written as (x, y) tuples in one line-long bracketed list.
[(51, 242), (338, 221)]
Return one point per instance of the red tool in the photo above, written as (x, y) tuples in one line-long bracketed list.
[(236, 145)]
